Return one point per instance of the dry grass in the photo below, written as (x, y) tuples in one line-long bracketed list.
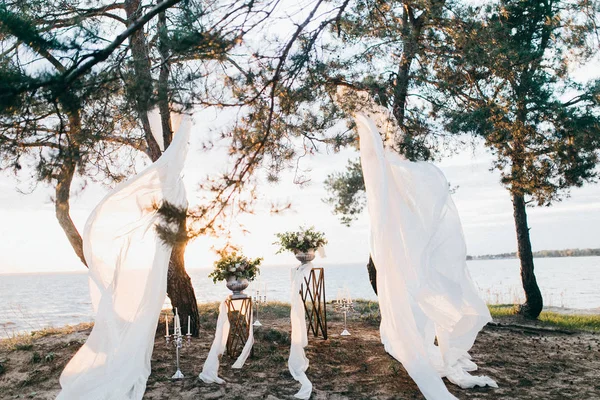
[(17, 342), (528, 363), (24, 341)]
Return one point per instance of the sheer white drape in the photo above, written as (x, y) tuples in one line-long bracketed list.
[(424, 288), (128, 280), (297, 361), (210, 370)]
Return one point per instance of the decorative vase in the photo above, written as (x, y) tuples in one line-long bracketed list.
[(237, 286), (305, 257)]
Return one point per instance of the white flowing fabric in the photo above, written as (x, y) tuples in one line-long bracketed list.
[(210, 370), (424, 288), (297, 361), (128, 281)]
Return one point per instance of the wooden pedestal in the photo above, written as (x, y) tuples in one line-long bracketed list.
[(313, 295), (238, 313)]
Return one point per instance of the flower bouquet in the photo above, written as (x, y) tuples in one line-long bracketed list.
[(237, 270), (302, 243)]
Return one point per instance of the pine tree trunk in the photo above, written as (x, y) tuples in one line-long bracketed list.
[(179, 284), (62, 208), (181, 291), (533, 297), (372, 274)]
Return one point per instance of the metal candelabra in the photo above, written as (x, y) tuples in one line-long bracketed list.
[(259, 298), (344, 304), (177, 339)]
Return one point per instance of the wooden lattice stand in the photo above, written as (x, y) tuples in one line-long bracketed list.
[(238, 313), (313, 295)]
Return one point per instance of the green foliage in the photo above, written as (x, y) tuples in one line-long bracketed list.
[(171, 228), (10, 77), (574, 322), (36, 358), (25, 29), (387, 51), (510, 82), (392, 43), (347, 192), (237, 265), (368, 311), (190, 43), (502, 310), (23, 346), (275, 309), (57, 130), (271, 335), (300, 241)]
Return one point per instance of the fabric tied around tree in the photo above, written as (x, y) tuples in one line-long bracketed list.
[(210, 370), (424, 288), (297, 361), (128, 265)]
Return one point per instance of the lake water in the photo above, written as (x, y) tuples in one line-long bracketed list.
[(34, 301)]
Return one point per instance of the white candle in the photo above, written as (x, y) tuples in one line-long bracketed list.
[(167, 324), (178, 324), (189, 325)]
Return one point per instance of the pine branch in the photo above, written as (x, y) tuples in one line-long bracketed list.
[(171, 228), (96, 57)]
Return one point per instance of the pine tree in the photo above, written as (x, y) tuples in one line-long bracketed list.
[(510, 82), (391, 42), (72, 106)]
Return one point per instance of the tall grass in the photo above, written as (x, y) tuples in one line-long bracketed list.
[(574, 322), (589, 323)]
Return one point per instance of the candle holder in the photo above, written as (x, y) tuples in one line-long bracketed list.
[(344, 304), (259, 298), (176, 339)]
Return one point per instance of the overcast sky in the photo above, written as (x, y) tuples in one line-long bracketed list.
[(32, 240)]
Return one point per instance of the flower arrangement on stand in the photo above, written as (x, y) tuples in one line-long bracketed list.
[(308, 282), (237, 270), (302, 243)]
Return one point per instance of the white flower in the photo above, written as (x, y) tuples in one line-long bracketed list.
[(231, 269)]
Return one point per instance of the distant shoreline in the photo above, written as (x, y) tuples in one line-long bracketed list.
[(503, 256), (541, 254)]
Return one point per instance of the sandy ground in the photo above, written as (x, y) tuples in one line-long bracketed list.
[(528, 362)]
